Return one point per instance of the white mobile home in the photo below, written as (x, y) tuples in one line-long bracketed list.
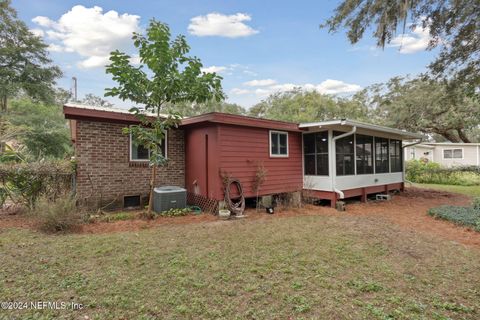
[(447, 154)]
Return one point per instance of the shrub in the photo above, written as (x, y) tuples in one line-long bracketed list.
[(176, 212), (120, 216), (476, 203), (25, 183), (431, 172), (60, 215), (466, 216)]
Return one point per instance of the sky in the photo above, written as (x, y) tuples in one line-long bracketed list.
[(258, 47)]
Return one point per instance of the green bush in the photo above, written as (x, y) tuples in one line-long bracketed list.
[(60, 215), (176, 212), (431, 172), (25, 183), (465, 216), (119, 216), (476, 203)]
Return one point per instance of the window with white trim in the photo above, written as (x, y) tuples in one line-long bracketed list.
[(138, 152), (278, 144), (452, 153)]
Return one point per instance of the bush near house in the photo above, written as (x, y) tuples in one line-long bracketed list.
[(25, 183), (465, 216), (430, 172), (60, 215)]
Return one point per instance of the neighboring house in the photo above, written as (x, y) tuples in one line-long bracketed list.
[(447, 154), (331, 159)]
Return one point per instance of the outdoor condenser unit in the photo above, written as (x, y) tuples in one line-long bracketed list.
[(168, 197)]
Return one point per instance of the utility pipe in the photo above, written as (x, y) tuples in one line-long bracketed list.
[(334, 154), (403, 156)]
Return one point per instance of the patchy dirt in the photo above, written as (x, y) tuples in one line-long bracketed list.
[(139, 224), (408, 210)]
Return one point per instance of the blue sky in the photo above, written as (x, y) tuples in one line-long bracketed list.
[(259, 47)]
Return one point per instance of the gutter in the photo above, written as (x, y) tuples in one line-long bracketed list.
[(334, 171), (403, 155)]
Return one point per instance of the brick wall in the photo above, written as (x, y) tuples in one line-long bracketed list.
[(104, 173)]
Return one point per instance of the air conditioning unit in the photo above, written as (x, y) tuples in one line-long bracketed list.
[(169, 197)]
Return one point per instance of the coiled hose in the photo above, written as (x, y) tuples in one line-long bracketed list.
[(235, 205)]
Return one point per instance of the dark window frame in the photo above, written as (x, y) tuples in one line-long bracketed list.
[(380, 165), (396, 156), (325, 171), (342, 145), (361, 155), (132, 144)]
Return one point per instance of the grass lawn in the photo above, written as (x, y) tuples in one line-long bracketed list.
[(301, 267), (473, 191)]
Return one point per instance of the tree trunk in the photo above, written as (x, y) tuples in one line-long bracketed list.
[(447, 134), (152, 186), (463, 136), (3, 111)]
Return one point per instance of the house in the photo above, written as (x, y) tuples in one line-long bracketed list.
[(331, 159), (447, 154)]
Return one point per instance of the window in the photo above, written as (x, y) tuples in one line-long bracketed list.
[(131, 201), (396, 161), (452, 153), (315, 150), (278, 144), (364, 154), (139, 153), (381, 155), (344, 155)]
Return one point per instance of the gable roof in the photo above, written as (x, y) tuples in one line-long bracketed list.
[(110, 114), (353, 123)]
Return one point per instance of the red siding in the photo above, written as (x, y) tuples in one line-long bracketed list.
[(243, 149), (201, 159)]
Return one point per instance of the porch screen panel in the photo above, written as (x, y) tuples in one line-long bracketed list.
[(364, 154), (396, 160), (315, 153), (344, 155), (381, 155)]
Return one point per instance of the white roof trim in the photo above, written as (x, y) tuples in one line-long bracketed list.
[(363, 125), (453, 144)]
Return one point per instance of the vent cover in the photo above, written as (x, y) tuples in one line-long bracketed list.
[(131, 201)]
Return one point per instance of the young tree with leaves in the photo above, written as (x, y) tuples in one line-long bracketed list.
[(453, 25), (172, 77)]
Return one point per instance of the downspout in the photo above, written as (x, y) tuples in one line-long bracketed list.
[(334, 155), (403, 157)]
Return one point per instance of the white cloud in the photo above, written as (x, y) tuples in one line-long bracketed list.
[(135, 59), (212, 69), (52, 47), (91, 33), (260, 83), (239, 91), (43, 21), (413, 42), (265, 88), (217, 24), (330, 86), (37, 32)]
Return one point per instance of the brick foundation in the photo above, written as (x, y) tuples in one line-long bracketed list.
[(104, 173)]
